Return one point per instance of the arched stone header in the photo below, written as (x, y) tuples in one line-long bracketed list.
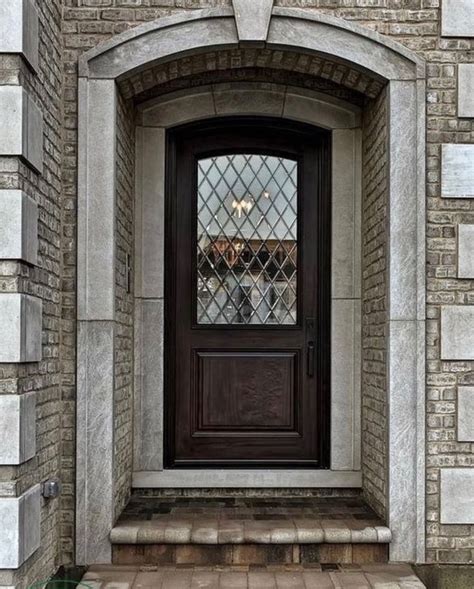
[(214, 29), (192, 33)]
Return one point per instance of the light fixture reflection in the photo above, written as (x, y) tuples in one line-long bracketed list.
[(242, 207)]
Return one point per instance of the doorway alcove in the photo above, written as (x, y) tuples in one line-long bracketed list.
[(303, 66)]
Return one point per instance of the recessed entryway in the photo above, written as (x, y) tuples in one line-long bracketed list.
[(392, 76)]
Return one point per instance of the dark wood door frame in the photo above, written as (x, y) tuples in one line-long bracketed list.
[(267, 132)]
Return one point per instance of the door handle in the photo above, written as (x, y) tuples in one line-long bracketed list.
[(310, 346), (310, 359)]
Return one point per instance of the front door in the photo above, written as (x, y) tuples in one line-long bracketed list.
[(247, 295)]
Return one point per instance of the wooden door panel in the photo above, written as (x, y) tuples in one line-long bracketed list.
[(245, 391), (247, 295)]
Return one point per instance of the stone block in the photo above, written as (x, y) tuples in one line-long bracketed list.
[(150, 203), (457, 332), (178, 109), (466, 90), (248, 100), (95, 441), (466, 414), (466, 251), (457, 18), (17, 428), (20, 328), (457, 497), (319, 109), (345, 377), (149, 373), (457, 171), (20, 529), (19, 227), (253, 19), (21, 126), (346, 211), (96, 200), (19, 29)]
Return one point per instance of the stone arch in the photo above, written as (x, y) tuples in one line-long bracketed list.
[(315, 36)]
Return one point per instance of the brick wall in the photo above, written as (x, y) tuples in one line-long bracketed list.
[(414, 23), (43, 281), (123, 402), (374, 303)]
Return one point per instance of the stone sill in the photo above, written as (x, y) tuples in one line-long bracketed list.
[(228, 531)]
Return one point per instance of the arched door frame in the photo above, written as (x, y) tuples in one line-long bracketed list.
[(295, 30)]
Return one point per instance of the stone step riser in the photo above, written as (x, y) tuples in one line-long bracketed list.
[(248, 554)]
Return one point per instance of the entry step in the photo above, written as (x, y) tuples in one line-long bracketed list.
[(368, 576), (229, 531), (249, 520)]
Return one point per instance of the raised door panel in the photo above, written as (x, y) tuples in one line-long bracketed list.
[(245, 392)]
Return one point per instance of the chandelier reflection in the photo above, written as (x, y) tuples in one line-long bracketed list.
[(242, 206), (245, 205)]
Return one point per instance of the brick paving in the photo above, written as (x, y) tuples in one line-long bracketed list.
[(249, 508), (254, 577)]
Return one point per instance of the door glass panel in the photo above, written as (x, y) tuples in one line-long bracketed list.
[(247, 240)]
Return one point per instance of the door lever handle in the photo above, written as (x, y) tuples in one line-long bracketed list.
[(310, 359)]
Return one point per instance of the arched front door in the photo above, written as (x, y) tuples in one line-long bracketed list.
[(248, 294)]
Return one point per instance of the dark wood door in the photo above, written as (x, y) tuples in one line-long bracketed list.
[(247, 294)]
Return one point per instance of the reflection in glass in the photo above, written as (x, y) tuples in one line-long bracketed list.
[(247, 240)]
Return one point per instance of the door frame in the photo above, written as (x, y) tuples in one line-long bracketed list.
[(322, 194)]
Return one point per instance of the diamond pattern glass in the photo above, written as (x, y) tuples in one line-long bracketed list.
[(247, 240)]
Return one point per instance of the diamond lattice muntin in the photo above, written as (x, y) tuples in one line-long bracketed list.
[(247, 240)]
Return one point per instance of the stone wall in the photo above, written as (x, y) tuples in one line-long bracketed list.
[(374, 303)]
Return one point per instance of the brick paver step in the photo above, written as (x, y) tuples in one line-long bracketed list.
[(371, 576)]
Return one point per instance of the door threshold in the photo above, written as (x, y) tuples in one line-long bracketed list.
[(246, 478)]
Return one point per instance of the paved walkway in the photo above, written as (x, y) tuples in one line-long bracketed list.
[(271, 577)]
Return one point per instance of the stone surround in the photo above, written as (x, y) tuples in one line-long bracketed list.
[(402, 68)]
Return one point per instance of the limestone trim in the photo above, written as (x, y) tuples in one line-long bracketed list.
[(216, 28), (19, 229), (253, 19), (225, 479), (20, 531), (245, 98), (19, 30), (20, 328), (195, 33)]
